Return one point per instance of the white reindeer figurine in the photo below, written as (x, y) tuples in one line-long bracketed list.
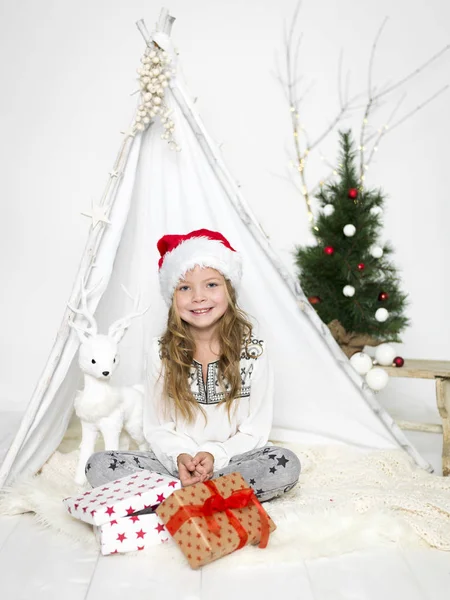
[(101, 407)]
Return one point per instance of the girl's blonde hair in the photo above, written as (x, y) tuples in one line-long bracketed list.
[(177, 353)]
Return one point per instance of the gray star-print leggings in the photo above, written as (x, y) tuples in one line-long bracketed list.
[(271, 471)]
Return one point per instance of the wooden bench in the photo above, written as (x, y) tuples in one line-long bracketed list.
[(439, 370)]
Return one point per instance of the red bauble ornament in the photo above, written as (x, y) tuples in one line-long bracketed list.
[(383, 296), (361, 266), (353, 193), (399, 361), (314, 299), (329, 250)]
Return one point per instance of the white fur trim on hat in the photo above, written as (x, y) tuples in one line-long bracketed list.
[(202, 252)]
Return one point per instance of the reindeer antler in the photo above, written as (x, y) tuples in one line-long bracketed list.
[(84, 311), (119, 327)]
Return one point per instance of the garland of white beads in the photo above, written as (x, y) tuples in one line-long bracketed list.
[(154, 77)]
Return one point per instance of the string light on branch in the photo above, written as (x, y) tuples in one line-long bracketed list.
[(314, 300)]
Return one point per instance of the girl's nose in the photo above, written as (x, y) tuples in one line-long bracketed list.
[(198, 296)]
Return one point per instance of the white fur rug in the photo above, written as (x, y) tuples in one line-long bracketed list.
[(346, 500)]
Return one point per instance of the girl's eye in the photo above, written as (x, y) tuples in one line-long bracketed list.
[(93, 361), (183, 288), (212, 284)]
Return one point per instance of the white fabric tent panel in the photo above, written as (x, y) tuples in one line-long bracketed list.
[(179, 192)]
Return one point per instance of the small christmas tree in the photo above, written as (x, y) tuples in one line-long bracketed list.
[(347, 276)]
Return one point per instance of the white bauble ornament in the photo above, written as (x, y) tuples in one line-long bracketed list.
[(376, 210), (385, 354), (152, 54), (164, 84), (377, 379), (349, 230), (328, 210), (376, 251), (156, 100), (361, 362), (155, 60), (140, 127), (348, 291), (381, 315)]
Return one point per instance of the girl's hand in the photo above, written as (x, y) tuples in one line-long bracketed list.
[(187, 470), (204, 465)]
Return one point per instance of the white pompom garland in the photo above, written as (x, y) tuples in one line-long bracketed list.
[(154, 75)]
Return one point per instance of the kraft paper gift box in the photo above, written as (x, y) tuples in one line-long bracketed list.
[(211, 519), (122, 497), (128, 534)]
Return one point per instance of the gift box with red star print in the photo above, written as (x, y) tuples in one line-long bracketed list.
[(214, 518), (128, 534), (122, 497)]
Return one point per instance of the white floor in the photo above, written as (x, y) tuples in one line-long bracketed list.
[(37, 564)]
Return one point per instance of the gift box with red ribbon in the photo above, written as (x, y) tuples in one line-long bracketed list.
[(214, 518)]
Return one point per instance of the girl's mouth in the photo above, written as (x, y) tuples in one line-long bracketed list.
[(201, 311)]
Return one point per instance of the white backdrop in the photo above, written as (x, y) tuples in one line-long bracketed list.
[(67, 71)]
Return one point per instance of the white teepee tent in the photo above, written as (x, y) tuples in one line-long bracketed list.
[(152, 191)]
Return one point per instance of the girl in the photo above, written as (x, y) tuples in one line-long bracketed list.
[(209, 401)]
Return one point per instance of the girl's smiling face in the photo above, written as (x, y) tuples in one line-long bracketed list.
[(201, 298)]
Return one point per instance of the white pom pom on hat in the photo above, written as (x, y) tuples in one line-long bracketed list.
[(203, 248)]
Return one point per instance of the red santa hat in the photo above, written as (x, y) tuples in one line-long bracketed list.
[(203, 248)]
